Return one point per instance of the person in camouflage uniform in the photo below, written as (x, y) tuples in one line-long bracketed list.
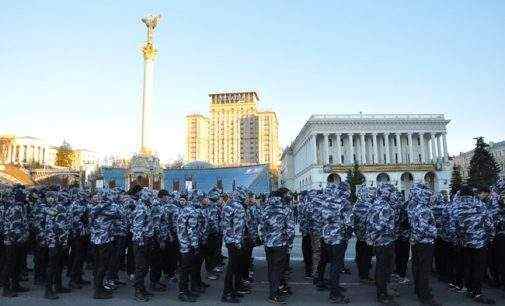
[(54, 239), (79, 217), (440, 252), (101, 220), (364, 252), (250, 237), (233, 226), (15, 234), (189, 244), (199, 202), (381, 232), (276, 228), (304, 226), (472, 226), (122, 227), (423, 235), (142, 236), (319, 253), (169, 214), (156, 246), (336, 220), (213, 215), (402, 242)]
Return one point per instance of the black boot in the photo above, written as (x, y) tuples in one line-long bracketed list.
[(101, 294), (74, 285), (185, 297), (228, 298), (8, 292), (49, 294), (140, 295), (20, 289)]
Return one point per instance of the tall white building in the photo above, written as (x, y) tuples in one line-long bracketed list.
[(399, 148)]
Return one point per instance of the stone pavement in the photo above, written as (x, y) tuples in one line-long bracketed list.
[(304, 292)]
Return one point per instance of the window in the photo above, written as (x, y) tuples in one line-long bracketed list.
[(395, 142), (341, 142), (384, 158), (354, 158), (420, 159), (396, 158), (330, 142), (330, 159), (342, 159), (419, 140)]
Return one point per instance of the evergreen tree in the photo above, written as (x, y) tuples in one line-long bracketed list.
[(354, 178), (456, 180), (483, 168)]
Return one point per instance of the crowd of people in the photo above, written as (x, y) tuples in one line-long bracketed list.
[(178, 237)]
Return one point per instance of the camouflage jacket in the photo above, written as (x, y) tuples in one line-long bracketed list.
[(420, 215), (315, 214), (381, 221), (438, 213), (142, 225), (276, 225), (470, 222), (233, 223), (213, 215), (361, 209), (187, 222), (169, 214), (102, 216), (333, 222), (15, 223), (78, 215)]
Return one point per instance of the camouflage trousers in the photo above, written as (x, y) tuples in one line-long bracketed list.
[(315, 240)]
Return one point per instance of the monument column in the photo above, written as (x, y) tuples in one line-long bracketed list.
[(351, 149), (399, 148), (423, 150), (326, 154), (339, 151), (363, 149), (386, 140), (433, 148), (149, 54), (444, 142), (375, 145)]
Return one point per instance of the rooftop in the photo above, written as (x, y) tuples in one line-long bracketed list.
[(376, 116)]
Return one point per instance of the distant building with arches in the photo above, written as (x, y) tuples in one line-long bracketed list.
[(396, 148)]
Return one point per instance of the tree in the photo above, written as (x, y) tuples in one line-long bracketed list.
[(483, 168), (354, 178), (456, 180), (65, 157)]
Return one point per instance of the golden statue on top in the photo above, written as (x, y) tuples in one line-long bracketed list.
[(148, 50)]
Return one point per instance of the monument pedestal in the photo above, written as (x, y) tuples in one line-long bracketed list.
[(145, 171)]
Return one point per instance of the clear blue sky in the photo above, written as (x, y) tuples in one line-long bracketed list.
[(72, 69)]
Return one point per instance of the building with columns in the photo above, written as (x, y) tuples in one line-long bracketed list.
[(26, 150), (398, 148)]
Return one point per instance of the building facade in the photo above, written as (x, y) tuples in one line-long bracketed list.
[(26, 150), (197, 141), (401, 149), (497, 149), (236, 132)]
